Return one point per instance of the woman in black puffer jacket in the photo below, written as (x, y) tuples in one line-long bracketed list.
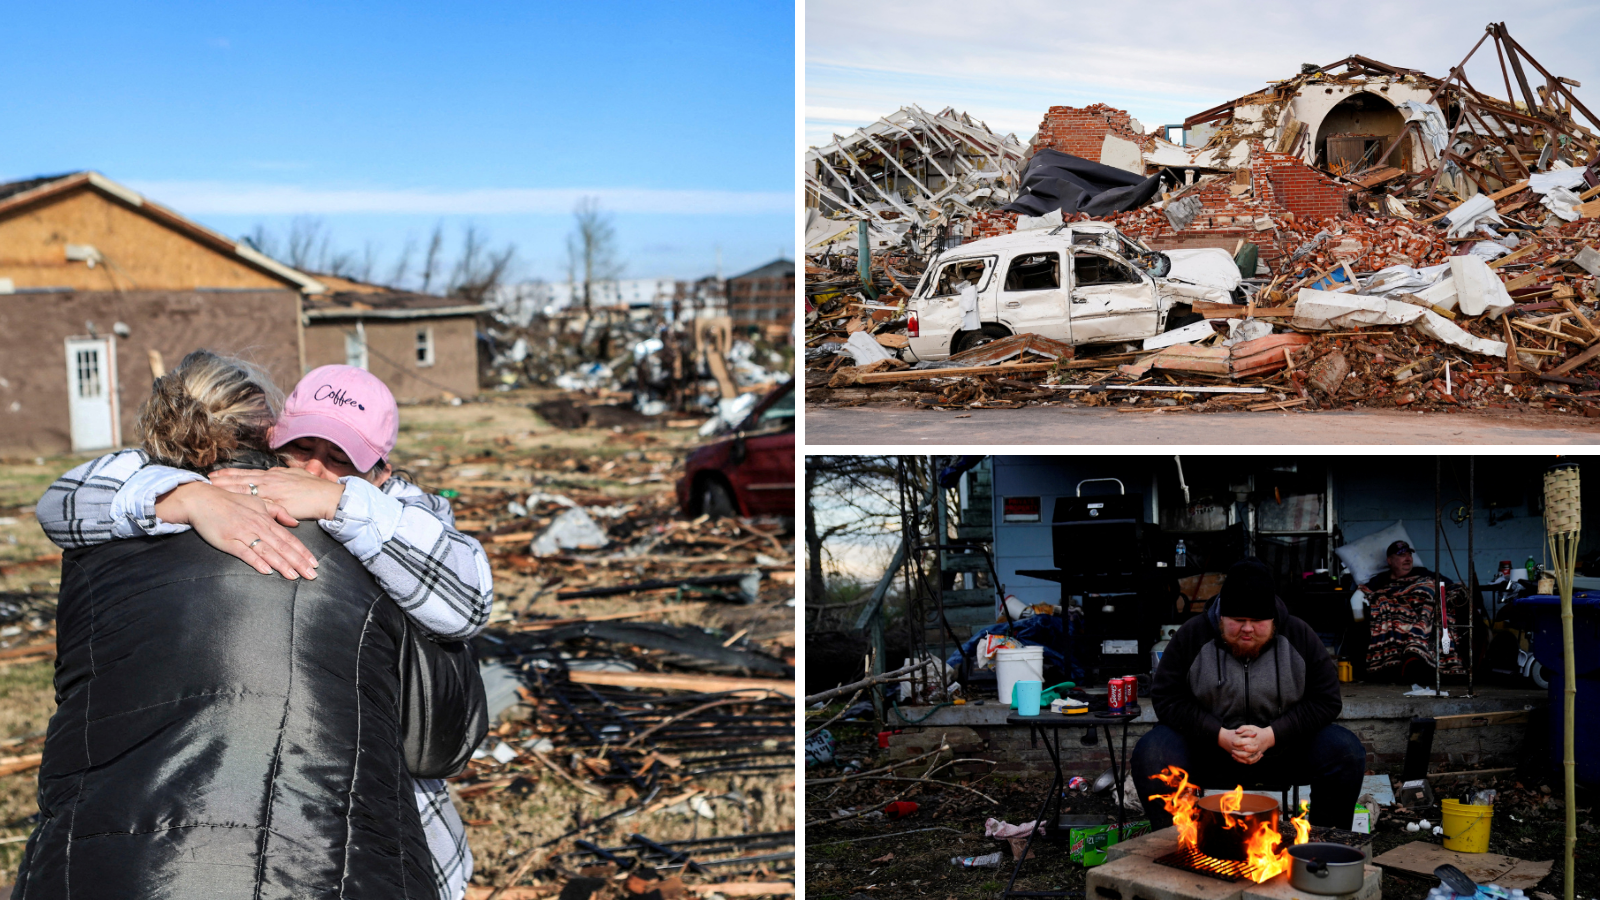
[(224, 733)]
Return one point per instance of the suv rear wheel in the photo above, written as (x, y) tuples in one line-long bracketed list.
[(967, 340)]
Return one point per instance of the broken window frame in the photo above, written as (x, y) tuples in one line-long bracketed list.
[(1033, 260), (983, 282)]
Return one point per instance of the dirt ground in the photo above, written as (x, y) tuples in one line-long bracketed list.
[(883, 859), (493, 452), (878, 424)]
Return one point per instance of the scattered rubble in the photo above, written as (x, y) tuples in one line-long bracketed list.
[(639, 668), (1402, 241)]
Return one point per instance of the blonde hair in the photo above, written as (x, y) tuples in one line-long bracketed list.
[(207, 409)]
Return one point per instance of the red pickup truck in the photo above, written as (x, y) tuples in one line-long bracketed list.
[(749, 471)]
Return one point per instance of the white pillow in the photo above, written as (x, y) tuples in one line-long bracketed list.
[(1366, 557)]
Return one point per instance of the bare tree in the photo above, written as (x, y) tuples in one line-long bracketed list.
[(262, 240), (369, 262), (402, 264), (479, 270), (430, 259), (852, 507), (592, 247), (308, 243)]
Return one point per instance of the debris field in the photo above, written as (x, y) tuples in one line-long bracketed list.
[(1402, 242)]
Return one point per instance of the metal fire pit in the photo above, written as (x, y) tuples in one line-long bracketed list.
[(1189, 859)]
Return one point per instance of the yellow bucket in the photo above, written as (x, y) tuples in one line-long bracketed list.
[(1466, 827)]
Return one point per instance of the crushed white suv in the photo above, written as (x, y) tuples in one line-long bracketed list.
[(1081, 283)]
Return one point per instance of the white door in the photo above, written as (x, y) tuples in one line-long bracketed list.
[(1033, 297), (941, 311), (1111, 301), (92, 392)]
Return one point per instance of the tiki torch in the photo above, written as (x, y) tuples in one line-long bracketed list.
[(1562, 521)]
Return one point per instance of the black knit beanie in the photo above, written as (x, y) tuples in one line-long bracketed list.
[(1248, 592)]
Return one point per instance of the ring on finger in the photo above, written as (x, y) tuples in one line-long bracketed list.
[(253, 543), (254, 492)]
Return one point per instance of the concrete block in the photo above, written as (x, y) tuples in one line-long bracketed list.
[(1137, 878), (1278, 888), (1150, 846), (916, 741)]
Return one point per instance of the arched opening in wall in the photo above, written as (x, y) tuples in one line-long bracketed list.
[(1354, 133)]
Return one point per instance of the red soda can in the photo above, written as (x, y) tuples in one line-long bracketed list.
[(1130, 692), (1114, 698)]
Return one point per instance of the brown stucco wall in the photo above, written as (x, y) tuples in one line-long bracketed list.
[(141, 254), (391, 354), (257, 325)]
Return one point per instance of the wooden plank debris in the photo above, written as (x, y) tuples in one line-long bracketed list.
[(706, 684)]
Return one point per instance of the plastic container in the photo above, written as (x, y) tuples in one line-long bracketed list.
[(1546, 640), (1466, 827), (1020, 664), (1026, 694)]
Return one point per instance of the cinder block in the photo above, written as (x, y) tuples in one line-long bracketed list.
[(1154, 845), (1138, 878), (1277, 888)]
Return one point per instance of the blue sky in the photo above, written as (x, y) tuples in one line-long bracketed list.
[(1161, 60), (386, 119)]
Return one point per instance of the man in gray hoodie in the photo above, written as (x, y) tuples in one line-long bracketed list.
[(1246, 694)]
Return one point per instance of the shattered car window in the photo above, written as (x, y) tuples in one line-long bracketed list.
[(1034, 272), (953, 275), (1092, 269), (1105, 240)]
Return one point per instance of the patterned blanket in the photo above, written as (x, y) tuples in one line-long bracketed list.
[(1403, 616)]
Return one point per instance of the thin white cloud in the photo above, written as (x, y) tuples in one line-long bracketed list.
[(231, 198)]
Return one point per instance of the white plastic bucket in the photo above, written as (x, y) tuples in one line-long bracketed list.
[(1012, 666)]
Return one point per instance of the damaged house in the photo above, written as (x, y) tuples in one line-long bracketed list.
[(909, 173), (1454, 225)]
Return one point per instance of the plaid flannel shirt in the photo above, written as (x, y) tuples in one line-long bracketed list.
[(405, 537)]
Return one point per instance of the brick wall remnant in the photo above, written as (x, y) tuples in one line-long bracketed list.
[(1082, 132)]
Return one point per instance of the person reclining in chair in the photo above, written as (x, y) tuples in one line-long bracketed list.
[(1246, 694)]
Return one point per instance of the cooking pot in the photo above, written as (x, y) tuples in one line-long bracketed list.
[(1324, 868), (1220, 841)]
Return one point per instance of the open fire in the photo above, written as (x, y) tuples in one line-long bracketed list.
[(1263, 850)]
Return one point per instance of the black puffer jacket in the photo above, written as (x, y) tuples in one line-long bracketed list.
[(1200, 687), (226, 734)]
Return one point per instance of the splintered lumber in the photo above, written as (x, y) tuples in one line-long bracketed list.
[(744, 889), (705, 684), (950, 372), (1189, 358), (1378, 176), (1532, 247), (1574, 362), (1158, 388), (1239, 310), (1285, 404), (1265, 354), (11, 765)]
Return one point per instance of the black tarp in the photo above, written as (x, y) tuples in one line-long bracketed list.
[(1054, 180)]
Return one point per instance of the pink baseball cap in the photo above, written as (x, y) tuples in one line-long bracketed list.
[(345, 405)]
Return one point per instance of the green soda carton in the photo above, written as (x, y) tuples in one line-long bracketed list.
[(1089, 836)]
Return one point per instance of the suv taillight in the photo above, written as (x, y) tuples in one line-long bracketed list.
[(911, 326)]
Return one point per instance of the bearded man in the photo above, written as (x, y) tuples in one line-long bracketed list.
[(1246, 694)]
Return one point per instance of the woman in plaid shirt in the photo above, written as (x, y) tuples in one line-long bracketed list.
[(336, 432)]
